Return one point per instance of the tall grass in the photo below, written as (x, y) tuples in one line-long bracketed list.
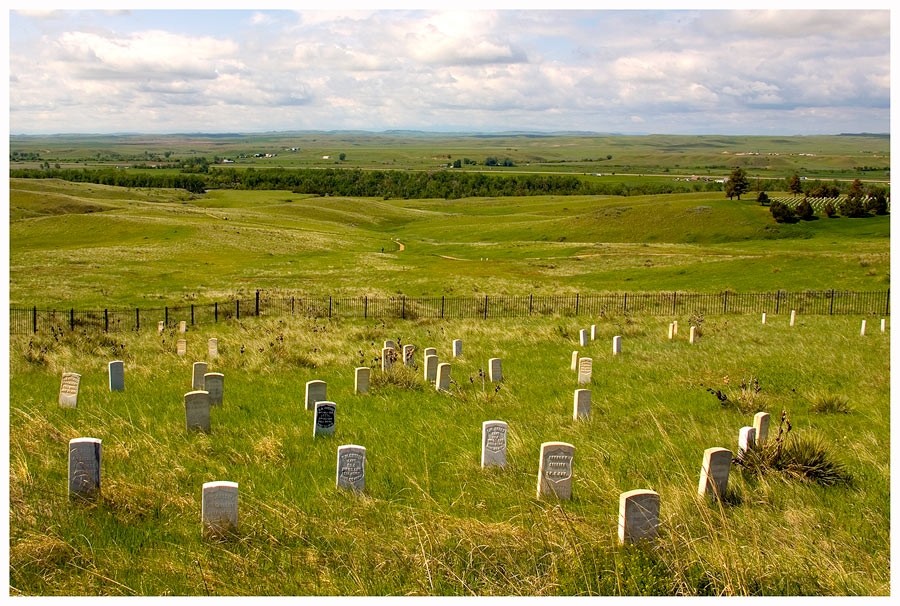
[(431, 521)]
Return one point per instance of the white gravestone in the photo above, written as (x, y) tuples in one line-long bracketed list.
[(585, 366), (692, 334), (219, 508), (324, 419), (617, 345), (862, 329), (442, 383), (883, 326), (555, 470), (117, 375), (214, 385), (457, 348), (793, 317), (593, 332), (574, 361), (315, 392), (389, 344), (351, 467), (198, 371), (671, 331), (212, 348), (181, 347), (714, 472), (182, 327), (196, 410), (675, 328), (495, 370), (387, 358), (638, 516), (746, 440), (583, 337), (160, 327), (431, 365), (582, 404), (84, 468), (493, 443), (361, 380), (68, 389), (761, 425), (409, 353), (429, 351), (764, 318)]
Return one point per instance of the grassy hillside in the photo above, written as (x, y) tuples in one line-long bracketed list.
[(80, 244), (430, 521)]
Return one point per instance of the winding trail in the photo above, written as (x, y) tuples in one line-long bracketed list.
[(401, 245)]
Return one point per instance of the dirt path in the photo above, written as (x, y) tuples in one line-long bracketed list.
[(401, 245)]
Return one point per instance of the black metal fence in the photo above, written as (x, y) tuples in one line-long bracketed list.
[(823, 302)]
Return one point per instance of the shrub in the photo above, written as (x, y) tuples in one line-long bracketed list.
[(802, 458), (763, 198), (829, 403), (805, 211), (781, 212), (829, 210)]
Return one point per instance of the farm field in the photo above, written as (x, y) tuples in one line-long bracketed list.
[(431, 521)]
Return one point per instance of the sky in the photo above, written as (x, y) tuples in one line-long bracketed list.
[(754, 72)]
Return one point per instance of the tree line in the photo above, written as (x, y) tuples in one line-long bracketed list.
[(367, 183)]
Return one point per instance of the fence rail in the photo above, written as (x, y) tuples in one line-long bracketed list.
[(823, 302)]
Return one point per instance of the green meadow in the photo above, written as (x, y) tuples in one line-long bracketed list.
[(810, 517)]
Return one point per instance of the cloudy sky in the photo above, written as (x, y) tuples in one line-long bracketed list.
[(627, 71)]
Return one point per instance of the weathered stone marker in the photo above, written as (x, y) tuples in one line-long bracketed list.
[(593, 332), (351, 467), (555, 470), (675, 328), (324, 419), (793, 317), (574, 360), (389, 344), (617, 345), (409, 352), (671, 331), (431, 365), (883, 326), (638, 516), (493, 443), (181, 347), (315, 392), (692, 335), (214, 385), (429, 351), (387, 358), (182, 327), (714, 472), (746, 440), (862, 329), (219, 509), (583, 337), (198, 371), (585, 366), (68, 389), (361, 380), (457, 348), (160, 327), (761, 425), (495, 370), (84, 468), (196, 410), (582, 404), (442, 383), (764, 317), (117, 375), (212, 348)]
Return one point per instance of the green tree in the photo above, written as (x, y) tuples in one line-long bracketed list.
[(342, 156), (794, 185), (763, 198), (876, 201), (782, 213), (737, 184), (805, 211)]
